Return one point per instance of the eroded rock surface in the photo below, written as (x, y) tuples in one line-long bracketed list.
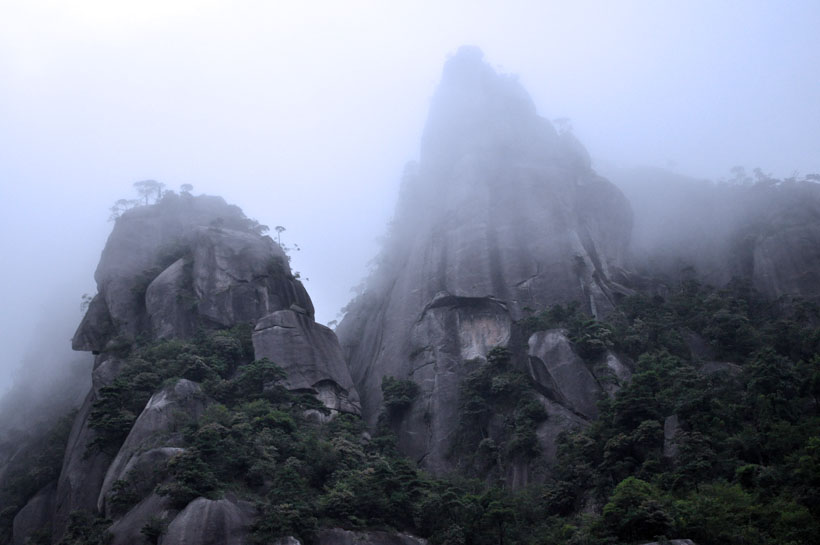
[(765, 233), (560, 374), (182, 263), (338, 536), (503, 212), (127, 530), (84, 466), (310, 355), (155, 434), (211, 522), (36, 515)]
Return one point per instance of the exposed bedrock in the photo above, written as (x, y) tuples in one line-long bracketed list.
[(84, 466), (155, 437), (168, 270), (502, 214), (183, 263), (767, 233), (310, 355), (36, 515), (211, 522)]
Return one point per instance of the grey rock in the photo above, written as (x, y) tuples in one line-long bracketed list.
[(184, 262), (787, 261), (338, 536), (127, 530), (559, 419), (451, 339), (671, 429), (560, 374), (170, 301), (672, 542), (698, 346), (612, 373), (765, 233), (84, 467), (712, 367), (287, 540), (154, 434), (501, 213), (310, 355), (36, 515), (210, 522)]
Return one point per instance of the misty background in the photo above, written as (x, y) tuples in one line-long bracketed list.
[(304, 116)]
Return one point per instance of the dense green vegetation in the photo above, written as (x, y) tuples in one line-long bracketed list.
[(743, 465), (498, 417), (735, 381)]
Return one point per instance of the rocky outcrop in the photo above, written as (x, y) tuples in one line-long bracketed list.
[(765, 232), (84, 467), (211, 522), (337, 536), (155, 437), (671, 441), (127, 530), (310, 355), (560, 374), (36, 515), (182, 263), (502, 213), (168, 270), (672, 542)]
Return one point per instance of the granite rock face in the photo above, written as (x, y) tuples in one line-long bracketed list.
[(182, 263), (168, 270), (502, 213), (127, 530), (84, 467), (338, 536), (211, 522), (310, 355), (36, 515), (561, 375), (156, 435), (766, 233)]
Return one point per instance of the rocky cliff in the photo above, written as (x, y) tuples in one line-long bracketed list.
[(173, 270), (502, 215), (764, 231)]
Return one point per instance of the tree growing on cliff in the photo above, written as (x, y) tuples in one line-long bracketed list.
[(147, 188)]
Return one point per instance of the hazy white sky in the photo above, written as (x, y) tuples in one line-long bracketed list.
[(304, 113)]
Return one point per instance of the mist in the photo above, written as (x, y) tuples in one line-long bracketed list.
[(305, 116)]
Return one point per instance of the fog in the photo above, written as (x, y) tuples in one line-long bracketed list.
[(304, 116)]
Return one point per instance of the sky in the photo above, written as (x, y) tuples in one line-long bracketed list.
[(304, 113)]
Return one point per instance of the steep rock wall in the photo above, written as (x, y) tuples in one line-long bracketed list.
[(168, 270), (502, 214)]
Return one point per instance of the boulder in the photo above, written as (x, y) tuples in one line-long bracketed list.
[(310, 355), (560, 374), (338, 536), (152, 439), (671, 442), (210, 522), (672, 542), (182, 263), (127, 530), (613, 372), (36, 515)]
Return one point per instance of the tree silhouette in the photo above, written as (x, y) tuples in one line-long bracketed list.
[(146, 188)]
